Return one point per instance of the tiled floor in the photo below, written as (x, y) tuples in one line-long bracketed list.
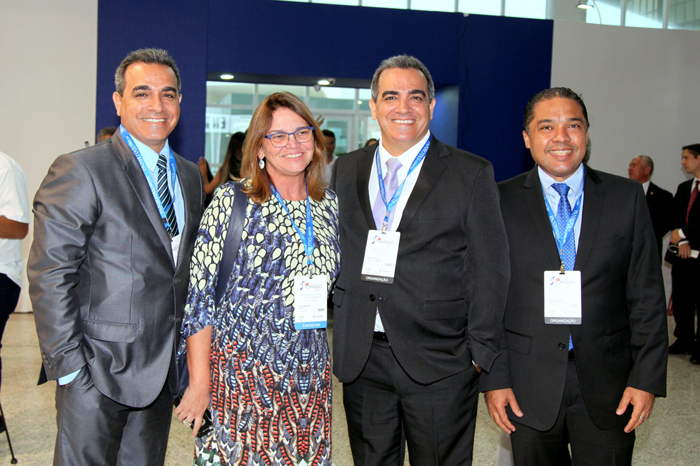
[(669, 438)]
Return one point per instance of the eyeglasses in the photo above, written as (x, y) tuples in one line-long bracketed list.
[(281, 139)]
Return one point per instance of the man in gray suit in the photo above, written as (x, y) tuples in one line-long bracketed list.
[(114, 229)]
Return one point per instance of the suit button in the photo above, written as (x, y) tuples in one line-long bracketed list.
[(171, 318), (562, 346), (176, 281), (371, 297)]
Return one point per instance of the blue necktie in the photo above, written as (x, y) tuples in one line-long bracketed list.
[(165, 197), (568, 252)]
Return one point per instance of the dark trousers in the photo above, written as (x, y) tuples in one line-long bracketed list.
[(9, 295), (384, 406), (685, 278), (590, 446), (94, 430)]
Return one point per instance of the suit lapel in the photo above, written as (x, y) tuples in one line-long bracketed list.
[(187, 185), (592, 212), (136, 177), (429, 173), (364, 169), (534, 199)]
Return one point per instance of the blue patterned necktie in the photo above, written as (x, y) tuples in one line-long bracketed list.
[(165, 197), (391, 184), (568, 252)]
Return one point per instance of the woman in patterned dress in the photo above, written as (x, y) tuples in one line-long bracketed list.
[(267, 383)]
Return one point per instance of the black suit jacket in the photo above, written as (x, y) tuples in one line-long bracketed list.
[(661, 208), (622, 340), (681, 200), (446, 304), (105, 289)]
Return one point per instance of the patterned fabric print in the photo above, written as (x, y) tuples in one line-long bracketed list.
[(271, 384)]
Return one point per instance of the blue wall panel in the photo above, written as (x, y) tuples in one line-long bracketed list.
[(496, 62), (305, 39), (179, 26), (505, 62)]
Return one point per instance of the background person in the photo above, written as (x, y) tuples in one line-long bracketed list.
[(14, 225), (685, 274), (105, 133), (659, 200), (266, 374)]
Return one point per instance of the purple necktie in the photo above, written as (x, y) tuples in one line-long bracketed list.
[(391, 183), (693, 196)]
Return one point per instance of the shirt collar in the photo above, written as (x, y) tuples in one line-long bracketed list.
[(575, 181), (645, 185), (406, 158), (150, 157)]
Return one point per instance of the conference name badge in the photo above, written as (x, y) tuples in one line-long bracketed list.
[(562, 297), (381, 254), (310, 302)]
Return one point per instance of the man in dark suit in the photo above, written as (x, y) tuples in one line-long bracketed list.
[(685, 274), (108, 271), (584, 349), (659, 200), (420, 316)]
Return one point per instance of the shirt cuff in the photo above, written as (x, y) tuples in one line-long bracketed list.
[(66, 379)]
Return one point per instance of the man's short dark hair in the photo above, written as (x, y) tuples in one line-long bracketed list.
[(108, 131), (648, 162), (693, 149), (151, 56), (327, 132), (404, 62), (548, 94)]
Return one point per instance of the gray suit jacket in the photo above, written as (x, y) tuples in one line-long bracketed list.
[(104, 287), (446, 304)]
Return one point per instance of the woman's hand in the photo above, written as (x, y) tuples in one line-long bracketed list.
[(195, 402)]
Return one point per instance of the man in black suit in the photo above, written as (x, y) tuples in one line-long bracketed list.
[(685, 275), (413, 330), (659, 200), (584, 349)]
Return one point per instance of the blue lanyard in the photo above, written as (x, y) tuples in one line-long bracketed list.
[(561, 236), (173, 173), (397, 194), (308, 238)]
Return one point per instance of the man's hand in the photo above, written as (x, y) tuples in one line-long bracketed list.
[(643, 403), (675, 236), (496, 402), (684, 251)]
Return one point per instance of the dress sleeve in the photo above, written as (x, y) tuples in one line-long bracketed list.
[(200, 308)]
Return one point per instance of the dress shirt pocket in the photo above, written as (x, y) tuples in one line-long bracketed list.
[(619, 341), (441, 310), (110, 331), (518, 343)]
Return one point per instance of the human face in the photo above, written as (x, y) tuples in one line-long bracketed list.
[(558, 137), (150, 106), (288, 163), (690, 164), (638, 171), (330, 145), (402, 109)]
